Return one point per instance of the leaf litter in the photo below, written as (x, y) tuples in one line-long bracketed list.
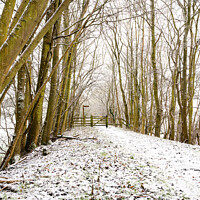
[(106, 163)]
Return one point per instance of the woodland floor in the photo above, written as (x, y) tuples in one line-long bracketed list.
[(110, 163)]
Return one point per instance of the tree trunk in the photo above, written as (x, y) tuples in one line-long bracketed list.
[(117, 96), (28, 98), (20, 35), (5, 19), (142, 129), (20, 105), (48, 125), (173, 106), (155, 72), (192, 74), (63, 92), (187, 15), (18, 14), (32, 137), (136, 87), (66, 110)]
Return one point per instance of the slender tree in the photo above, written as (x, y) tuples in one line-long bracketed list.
[(33, 134), (155, 71), (48, 124)]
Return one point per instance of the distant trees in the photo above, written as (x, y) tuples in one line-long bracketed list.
[(184, 59), (157, 44)]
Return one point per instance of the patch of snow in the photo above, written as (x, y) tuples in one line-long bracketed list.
[(176, 164), (118, 164)]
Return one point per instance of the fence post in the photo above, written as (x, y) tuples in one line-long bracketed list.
[(120, 123), (116, 122), (91, 120), (83, 120), (106, 121)]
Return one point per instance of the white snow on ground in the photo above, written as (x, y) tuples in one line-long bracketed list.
[(105, 163), (177, 164)]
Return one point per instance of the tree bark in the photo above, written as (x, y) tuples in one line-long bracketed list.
[(155, 72), (52, 96), (18, 14), (143, 120), (5, 19), (32, 137), (20, 105), (187, 15), (20, 35)]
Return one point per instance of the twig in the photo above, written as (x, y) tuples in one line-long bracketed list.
[(3, 177), (92, 138), (74, 138), (14, 181), (68, 137), (19, 161), (8, 187), (4, 188)]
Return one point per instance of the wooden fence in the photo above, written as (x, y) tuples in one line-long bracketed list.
[(99, 121), (90, 121)]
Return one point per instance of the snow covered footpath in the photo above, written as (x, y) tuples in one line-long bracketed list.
[(169, 165), (103, 164)]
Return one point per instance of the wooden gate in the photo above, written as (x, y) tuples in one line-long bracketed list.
[(90, 121)]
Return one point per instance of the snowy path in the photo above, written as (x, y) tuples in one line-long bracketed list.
[(119, 164), (175, 163)]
